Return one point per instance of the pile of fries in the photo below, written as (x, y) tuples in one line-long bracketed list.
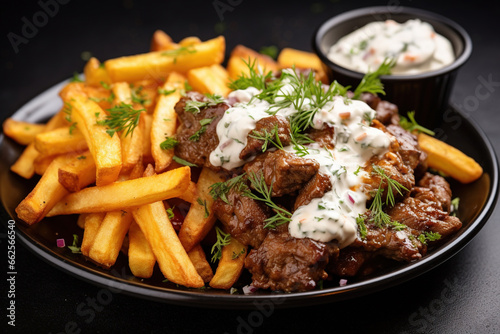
[(121, 180)]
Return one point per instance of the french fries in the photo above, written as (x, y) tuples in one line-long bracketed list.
[(449, 160), (78, 174), (22, 132), (105, 149), (172, 258), (126, 194), (230, 265), (289, 58), (164, 121), (141, 258), (157, 65), (128, 207), (200, 218), (210, 80), (60, 141), (45, 195)]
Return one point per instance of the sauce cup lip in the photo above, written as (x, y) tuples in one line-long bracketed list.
[(421, 14)]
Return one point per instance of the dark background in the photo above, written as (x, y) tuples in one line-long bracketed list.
[(460, 296)]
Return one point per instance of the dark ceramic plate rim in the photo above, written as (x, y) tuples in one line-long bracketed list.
[(193, 297), (420, 13)]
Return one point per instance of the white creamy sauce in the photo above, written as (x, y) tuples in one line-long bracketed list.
[(332, 217), (414, 44)]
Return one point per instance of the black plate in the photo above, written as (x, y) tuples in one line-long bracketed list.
[(477, 201)]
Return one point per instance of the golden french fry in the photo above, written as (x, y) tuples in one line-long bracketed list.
[(92, 223), (95, 73), (131, 143), (190, 40), (172, 259), (22, 132), (24, 165), (209, 79), (230, 265), (157, 65), (164, 121), (78, 173), (449, 159), (109, 238), (141, 258), (42, 162), (197, 256), (81, 220), (200, 217), (120, 195), (60, 141), (191, 193), (46, 194), (147, 123), (162, 41), (236, 65), (106, 150), (301, 59)]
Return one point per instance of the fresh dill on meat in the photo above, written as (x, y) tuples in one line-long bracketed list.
[(410, 124)]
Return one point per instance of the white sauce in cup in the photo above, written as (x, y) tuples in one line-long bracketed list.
[(414, 44)]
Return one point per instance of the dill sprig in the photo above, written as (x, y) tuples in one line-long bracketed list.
[(371, 81), (183, 50), (74, 247), (254, 78), (410, 124), (223, 239), (194, 106), (378, 216), (258, 183), (220, 189), (271, 137), (122, 117)]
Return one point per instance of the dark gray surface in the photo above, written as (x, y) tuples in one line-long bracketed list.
[(460, 296)]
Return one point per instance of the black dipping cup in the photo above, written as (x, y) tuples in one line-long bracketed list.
[(426, 93)]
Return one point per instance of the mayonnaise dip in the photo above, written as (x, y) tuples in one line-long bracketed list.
[(414, 44)]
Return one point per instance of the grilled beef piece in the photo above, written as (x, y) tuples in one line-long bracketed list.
[(289, 264), (409, 149), (440, 187), (197, 150), (243, 217), (422, 212), (387, 113), (254, 146), (324, 137), (284, 172), (317, 186)]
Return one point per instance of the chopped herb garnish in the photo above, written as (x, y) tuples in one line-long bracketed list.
[(122, 117), (138, 95), (170, 213), (252, 79), (357, 171), (397, 226), (204, 122), (410, 124), (429, 236), (72, 128), (187, 86), (371, 81), (203, 203), (223, 239), (258, 183), (165, 92), (76, 77), (168, 143), (183, 162), (220, 189), (81, 157), (105, 85), (361, 227), (271, 137), (237, 255), (271, 51), (178, 52), (74, 247)]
